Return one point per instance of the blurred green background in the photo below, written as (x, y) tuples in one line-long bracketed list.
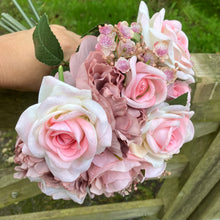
[(200, 18)]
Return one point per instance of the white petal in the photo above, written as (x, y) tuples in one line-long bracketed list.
[(53, 87), (26, 121)]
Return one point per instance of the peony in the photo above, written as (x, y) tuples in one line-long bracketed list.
[(168, 127), (66, 128), (76, 190), (29, 166), (145, 86), (108, 174), (91, 71)]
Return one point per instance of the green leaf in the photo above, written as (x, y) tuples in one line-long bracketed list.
[(136, 38), (47, 47), (181, 100)]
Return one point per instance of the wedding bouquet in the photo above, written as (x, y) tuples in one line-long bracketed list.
[(115, 118)]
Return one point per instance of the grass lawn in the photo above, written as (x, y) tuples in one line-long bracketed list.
[(199, 19)]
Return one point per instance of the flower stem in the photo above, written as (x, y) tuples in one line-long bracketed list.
[(60, 72)]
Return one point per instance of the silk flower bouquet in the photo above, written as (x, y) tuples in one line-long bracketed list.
[(115, 117)]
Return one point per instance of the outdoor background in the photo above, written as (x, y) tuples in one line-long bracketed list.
[(200, 20)]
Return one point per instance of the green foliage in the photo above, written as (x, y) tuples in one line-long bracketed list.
[(181, 100), (47, 47)]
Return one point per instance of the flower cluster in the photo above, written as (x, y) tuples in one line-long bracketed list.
[(109, 125)]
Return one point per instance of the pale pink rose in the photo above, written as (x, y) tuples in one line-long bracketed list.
[(29, 166), (66, 128), (76, 190), (177, 89), (169, 32), (108, 174), (168, 127), (173, 29), (151, 32), (146, 85)]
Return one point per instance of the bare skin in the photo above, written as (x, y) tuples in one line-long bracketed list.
[(19, 69)]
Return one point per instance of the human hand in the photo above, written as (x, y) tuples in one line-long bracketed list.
[(19, 69)]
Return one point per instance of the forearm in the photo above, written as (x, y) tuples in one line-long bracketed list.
[(19, 69)]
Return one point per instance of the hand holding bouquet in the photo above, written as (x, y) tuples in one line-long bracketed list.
[(121, 112)]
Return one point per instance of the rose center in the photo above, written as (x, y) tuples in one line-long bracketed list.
[(142, 88), (65, 139)]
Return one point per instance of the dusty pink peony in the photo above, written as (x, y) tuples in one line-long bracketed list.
[(29, 166), (66, 128), (108, 174), (76, 190), (146, 85), (105, 83), (168, 127)]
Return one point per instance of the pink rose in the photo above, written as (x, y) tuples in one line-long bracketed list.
[(145, 86), (66, 128), (173, 29), (169, 39), (168, 127), (37, 170), (108, 174)]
